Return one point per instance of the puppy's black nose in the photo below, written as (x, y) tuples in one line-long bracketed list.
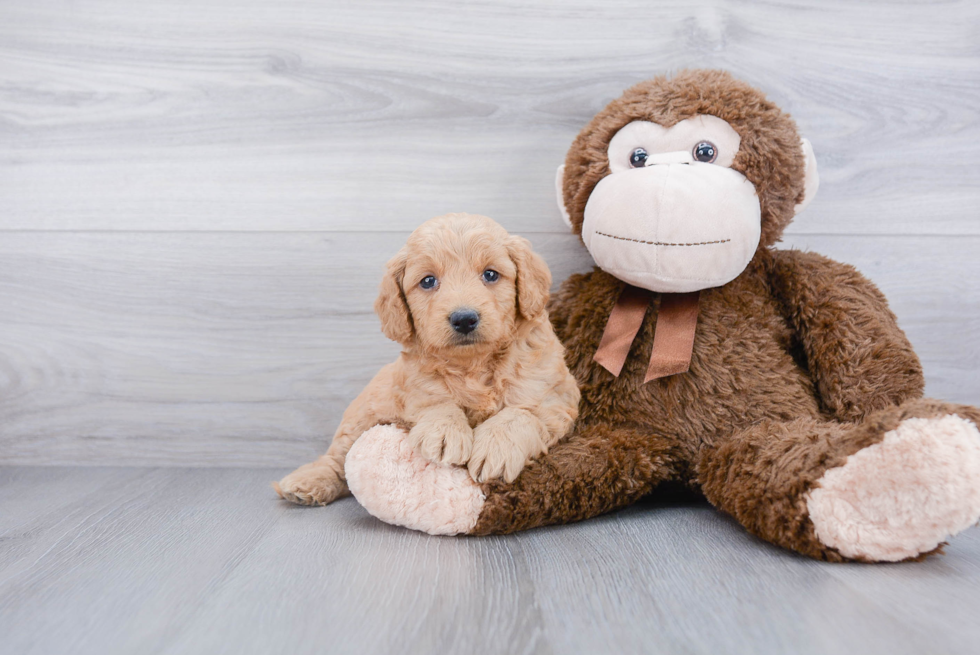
[(464, 321)]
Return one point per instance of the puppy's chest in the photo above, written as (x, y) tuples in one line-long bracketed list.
[(479, 400)]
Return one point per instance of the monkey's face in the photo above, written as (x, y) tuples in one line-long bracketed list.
[(677, 184), (673, 215)]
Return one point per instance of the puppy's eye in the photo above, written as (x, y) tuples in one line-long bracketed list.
[(638, 158), (705, 152), (490, 276), (429, 282)]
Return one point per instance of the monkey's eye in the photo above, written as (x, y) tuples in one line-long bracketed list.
[(490, 276), (429, 282), (638, 158), (705, 152)]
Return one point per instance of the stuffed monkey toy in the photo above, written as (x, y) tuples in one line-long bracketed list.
[(776, 382)]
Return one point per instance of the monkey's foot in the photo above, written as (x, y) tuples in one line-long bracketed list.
[(399, 486), (904, 495)]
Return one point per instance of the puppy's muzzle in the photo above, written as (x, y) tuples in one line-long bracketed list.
[(464, 321)]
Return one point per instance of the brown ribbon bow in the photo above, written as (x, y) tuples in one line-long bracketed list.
[(673, 340)]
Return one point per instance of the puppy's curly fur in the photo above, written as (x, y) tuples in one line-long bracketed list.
[(492, 398)]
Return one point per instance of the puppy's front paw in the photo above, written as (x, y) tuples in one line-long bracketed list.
[(442, 441), (502, 447), (311, 484)]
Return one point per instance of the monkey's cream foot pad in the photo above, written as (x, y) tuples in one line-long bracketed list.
[(903, 496), (399, 486)]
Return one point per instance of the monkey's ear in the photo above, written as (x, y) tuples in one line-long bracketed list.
[(391, 305), (533, 277), (559, 179), (811, 179)]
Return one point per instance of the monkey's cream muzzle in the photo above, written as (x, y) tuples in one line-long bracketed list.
[(675, 225)]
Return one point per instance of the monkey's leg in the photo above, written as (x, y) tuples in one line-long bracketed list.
[(891, 487), (594, 470)]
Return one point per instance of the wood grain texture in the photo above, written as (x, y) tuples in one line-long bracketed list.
[(196, 198), (244, 349), (379, 114), (162, 561)]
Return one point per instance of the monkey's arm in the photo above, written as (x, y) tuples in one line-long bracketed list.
[(858, 357)]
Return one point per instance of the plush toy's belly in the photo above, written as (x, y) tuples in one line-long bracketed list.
[(746, 367)]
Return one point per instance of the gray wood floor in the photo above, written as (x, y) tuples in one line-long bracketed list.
[(174, 560)]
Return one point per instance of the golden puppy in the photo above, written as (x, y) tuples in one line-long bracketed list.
[(481, 380)]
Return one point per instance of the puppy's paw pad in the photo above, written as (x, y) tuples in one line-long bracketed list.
[(904, 495)]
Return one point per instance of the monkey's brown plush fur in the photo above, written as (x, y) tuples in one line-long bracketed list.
[(754, 423), (798, 368)]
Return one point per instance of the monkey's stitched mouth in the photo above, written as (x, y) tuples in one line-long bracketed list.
[(661, 243)]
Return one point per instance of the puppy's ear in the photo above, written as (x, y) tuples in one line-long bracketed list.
[(391, 305), (533, 277)]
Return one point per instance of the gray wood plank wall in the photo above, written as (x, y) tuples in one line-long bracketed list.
[(196, 198)]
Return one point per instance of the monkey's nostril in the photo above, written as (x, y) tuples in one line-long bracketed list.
[(464, 321)]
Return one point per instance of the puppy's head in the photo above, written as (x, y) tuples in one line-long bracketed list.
[(461, 284)]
